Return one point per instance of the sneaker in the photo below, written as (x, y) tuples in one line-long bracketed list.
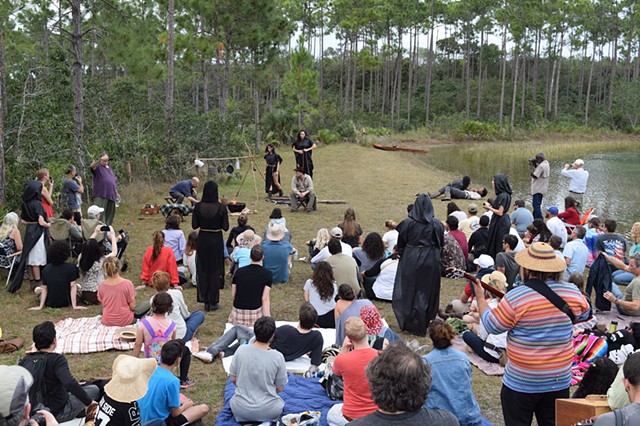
[(186, 384), (204, 356)]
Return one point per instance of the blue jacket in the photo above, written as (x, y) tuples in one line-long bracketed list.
[(451, 385)]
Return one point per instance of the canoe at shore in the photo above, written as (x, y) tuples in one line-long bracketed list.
[(398, 148)]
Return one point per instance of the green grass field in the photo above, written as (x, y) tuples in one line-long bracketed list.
[(377, 184)]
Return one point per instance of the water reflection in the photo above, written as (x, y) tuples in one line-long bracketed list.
[(613, 188)]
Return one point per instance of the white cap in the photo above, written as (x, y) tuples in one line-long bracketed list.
[(14, 391), (578, 162), (484, 261), (336, 232), (94, 211)]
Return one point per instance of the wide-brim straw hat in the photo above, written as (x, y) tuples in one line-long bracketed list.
[(540, 257), (496, 279), (130, 378), (275, 233), (248, 239)]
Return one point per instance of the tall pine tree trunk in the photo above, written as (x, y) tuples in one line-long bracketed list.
[(168, 101), (614, 62), (503, 74), (78, 82), (3, 108), (515, 91), (4, 105), (427, 83), (479, 102), (588, 96)]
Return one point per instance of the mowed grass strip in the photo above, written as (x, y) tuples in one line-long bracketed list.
[(377, 184)]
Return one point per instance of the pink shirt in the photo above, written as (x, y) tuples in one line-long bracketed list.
[(116, 300)]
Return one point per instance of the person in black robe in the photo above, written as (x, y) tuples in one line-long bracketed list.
[(416, 291), (34, 215), (303, 147), (211, 218), (272, 173), (500, 221)]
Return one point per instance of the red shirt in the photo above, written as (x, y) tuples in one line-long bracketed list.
[(357, 395), (166, 261), (462, 241), (570, 216)]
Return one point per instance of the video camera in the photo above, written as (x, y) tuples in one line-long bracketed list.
[(533, 162)]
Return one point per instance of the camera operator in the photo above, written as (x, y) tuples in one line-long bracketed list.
[(540, 172), (15, 407), (72, 190), (92, 225)]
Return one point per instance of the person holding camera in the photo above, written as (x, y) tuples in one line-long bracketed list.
[(72, 190), (540, 172), (105, 187), (15, 407)]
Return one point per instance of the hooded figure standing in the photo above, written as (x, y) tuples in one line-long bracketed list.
[(211, 218), (500, 221), (416, 291), (36, 237)]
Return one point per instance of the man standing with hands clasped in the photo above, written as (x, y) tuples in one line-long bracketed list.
[(579, 177)]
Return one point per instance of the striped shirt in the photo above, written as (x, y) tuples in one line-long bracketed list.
[(539, 339)]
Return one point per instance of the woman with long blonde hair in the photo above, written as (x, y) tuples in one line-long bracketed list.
[(10, 238)]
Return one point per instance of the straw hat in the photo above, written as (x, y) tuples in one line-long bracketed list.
[(248, 239), (496, 280), (275, 233), (540, 257), (130, 378)]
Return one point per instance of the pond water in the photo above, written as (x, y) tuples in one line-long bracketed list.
[(613, 188)]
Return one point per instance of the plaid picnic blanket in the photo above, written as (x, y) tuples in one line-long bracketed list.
[(86, 335), (165, 209)]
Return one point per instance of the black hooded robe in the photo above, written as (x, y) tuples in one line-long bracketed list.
[(499, 225), (416, 291), (211, 218), (304, 160), (31, 210)]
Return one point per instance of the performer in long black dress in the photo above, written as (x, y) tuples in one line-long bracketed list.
[(416, 291), (500, 221), (272, 174), (211, 218), (36, 238), (302, 148)]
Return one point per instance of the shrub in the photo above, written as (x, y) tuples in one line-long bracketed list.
[(477, 131), (327, 136)]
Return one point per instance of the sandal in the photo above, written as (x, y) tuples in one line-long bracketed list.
[(7, 346)]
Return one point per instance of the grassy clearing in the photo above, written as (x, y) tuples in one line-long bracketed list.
[(377, 184)]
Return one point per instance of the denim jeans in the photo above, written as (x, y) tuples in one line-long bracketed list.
[(537, 206), (194, 321), (616, 291), (622, 277), (238, 332)]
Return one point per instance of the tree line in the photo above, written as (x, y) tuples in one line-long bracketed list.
[(153, 82)]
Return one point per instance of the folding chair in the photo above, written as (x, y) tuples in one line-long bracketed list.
[(13, 258)]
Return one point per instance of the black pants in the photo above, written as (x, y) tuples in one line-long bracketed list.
[(368, 283), (327, 320), (477, 345), (518, 408)]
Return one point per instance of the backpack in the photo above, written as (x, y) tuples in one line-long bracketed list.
[(36, 363), (158, 339)]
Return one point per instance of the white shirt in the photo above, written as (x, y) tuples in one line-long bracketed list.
[(324, 253), (472, 195), (459, 215), (557, 227), (578, 182), (383, 287), (469, 225), (520, 245), (391, 239)]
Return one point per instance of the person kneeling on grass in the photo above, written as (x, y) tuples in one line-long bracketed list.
[(162, 400), (259, 375)]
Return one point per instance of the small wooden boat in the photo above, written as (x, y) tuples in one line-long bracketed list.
[(398, 148)]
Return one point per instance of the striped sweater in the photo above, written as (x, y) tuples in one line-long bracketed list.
[(539, 345)]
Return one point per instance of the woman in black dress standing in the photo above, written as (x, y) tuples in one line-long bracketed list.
[(211, 218), (272, 174), (500, 222), (302, 148)]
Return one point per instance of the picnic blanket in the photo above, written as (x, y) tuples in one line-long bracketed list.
[(489, 368), (86, 335), (605, 318), (166, 209), (298, 365), (299, 394)]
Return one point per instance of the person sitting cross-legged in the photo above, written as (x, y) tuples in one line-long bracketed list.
[(631, 380), (259, 375), (162, 400)]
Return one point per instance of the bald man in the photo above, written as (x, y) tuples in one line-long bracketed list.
[(185, 189)]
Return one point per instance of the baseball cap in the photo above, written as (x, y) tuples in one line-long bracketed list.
[(579, 162), (94, 210), (336, 232), (473, 207), (14, 391), (553, 210), (484, 261)]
